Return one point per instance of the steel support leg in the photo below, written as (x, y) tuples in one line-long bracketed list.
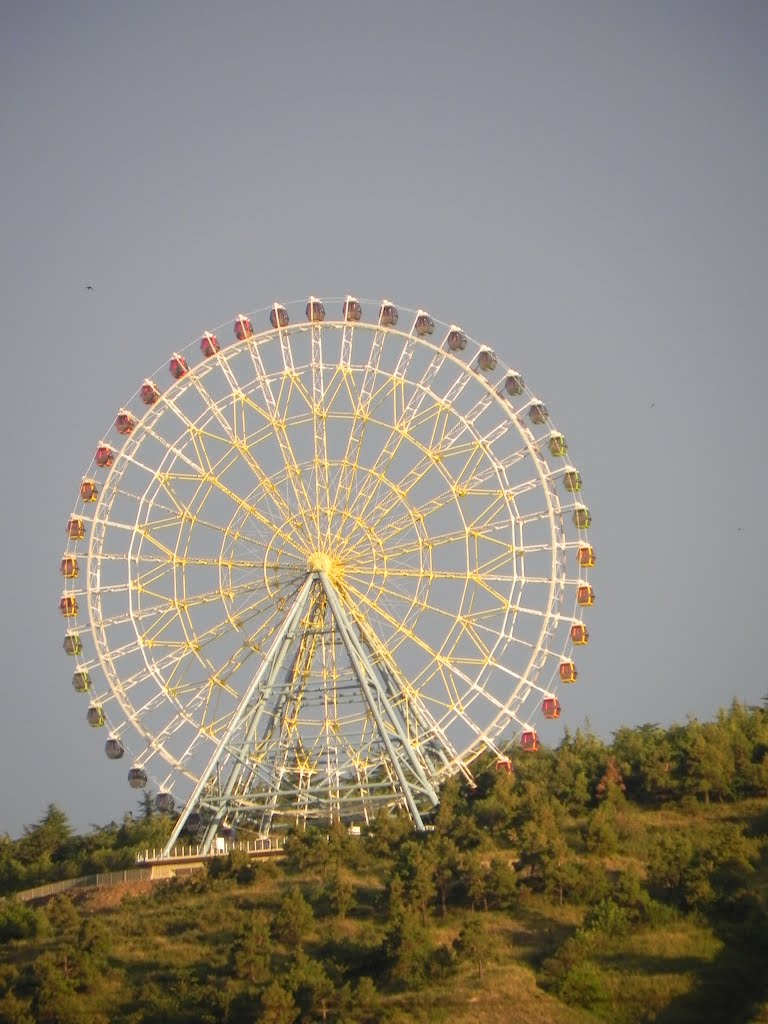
[(268, 669)]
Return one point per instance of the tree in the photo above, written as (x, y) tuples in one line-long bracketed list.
[(339, 892), (387, 832), (63, 916), (55, 1000), (611, 786), (418, 865), (293, 918), (278, 1005), (589, 753), (409, 950), (501, 884), (648, 762), (49, 841), (601, 833), (476, 943), (252, 950), (474, 874), (445, 870), (708, 761), (313, 989), (396, 905), (366, 1002), (14, 1010)]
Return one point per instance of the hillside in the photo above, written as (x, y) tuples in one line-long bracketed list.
[(588, 886)]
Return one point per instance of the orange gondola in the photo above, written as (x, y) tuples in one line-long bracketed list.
[(529, 740), (550, 707), (587, 557), (568, 673), (76, 529), (579, 634), (88, 490)]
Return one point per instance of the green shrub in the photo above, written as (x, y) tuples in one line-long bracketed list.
[(18, 921), (608, 917), (584, 985)]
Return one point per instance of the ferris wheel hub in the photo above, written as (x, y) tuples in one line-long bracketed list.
[(322, 561)]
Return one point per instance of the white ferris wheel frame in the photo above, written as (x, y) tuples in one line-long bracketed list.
[(359, 348)]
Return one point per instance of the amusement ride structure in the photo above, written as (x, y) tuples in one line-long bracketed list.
[(317, 571)]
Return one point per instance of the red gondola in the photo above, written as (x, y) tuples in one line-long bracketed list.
[(178, 366), (209, 344), (70, 570), (68, 606), (104, 456), (585, 596), (243, 327), (125, 423), (148, 392)]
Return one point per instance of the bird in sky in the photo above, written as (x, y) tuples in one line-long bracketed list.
[(89, 288)]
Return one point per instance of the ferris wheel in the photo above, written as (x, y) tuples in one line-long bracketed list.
[(319, 570)]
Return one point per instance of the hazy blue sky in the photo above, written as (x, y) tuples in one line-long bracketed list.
[(582, 185)]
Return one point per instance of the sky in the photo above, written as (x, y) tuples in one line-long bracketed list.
[(582, 186)]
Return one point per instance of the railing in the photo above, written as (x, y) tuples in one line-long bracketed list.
[(85, 881), (221, 847), (263, 847)]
